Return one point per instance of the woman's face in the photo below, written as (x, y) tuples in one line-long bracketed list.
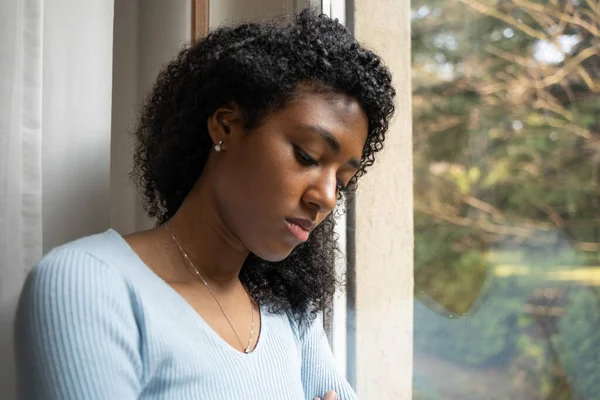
[(277, 182)]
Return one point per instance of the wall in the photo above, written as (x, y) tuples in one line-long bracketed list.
[(384, 227), (125, 98), (146, 36), (230, 11)]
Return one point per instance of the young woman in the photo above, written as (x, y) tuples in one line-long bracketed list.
[(244, 147)]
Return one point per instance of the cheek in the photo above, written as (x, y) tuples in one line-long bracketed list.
[(253, 188)]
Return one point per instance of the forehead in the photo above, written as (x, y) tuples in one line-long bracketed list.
[(327, 106), (339, 114)]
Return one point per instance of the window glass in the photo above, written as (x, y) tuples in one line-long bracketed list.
[(506, 125)]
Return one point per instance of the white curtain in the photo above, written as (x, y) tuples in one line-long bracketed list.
[(55, 84), (21, 31)]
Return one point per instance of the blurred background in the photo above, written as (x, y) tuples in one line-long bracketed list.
[(506, 139)]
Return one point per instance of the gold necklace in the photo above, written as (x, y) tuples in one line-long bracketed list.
[(194, 270)]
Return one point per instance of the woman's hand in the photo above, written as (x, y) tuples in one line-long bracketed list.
[(331, 395)]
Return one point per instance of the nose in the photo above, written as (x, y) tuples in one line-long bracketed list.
[(322, 194)]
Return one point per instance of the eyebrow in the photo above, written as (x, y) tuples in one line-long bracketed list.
[(332, 142)]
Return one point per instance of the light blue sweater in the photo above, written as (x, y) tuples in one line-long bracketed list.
[(94, 322)]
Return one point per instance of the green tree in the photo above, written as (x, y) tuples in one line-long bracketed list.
[(506, 136), (580, 341), (506, 133)]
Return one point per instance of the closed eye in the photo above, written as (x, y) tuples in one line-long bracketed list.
[(304, 158)]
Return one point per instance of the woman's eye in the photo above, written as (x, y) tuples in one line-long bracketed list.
[(304, 158)]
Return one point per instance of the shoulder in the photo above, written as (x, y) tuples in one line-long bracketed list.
[(74, 293), (105, 247), (77, 276), (84, 261), (78, 321), (307, 325)]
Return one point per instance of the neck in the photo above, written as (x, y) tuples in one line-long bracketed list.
[(215, 251)]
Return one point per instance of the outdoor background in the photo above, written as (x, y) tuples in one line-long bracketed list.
[(506, 115)]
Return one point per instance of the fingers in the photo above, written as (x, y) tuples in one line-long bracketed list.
[(331, 395)]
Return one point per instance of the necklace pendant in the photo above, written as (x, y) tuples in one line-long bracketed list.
[(247, 351)]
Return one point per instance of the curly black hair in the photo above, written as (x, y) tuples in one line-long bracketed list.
[(259, 67)]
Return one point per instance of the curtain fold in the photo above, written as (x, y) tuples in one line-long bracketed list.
[(21, 44)]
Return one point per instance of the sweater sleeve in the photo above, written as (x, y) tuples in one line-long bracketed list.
[(319, 373), (76, 335)]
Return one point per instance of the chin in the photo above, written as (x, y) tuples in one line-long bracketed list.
[(273, 255)]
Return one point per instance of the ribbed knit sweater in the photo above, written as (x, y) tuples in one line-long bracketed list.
[(94, 322)]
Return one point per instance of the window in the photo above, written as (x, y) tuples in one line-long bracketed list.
[(506, 128)]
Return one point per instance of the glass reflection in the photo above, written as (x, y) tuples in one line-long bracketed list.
[(506, 130)]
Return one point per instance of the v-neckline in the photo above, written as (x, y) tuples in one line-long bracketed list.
[(189, 309)]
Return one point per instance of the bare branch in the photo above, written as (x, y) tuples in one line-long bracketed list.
[(569, 66), (593, 6), (562, 16), (485, 207), (544, 104), (554, 217), (487, 10), (570, 127), (510, 57), (589, 81)]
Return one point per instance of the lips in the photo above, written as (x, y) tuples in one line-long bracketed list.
[(305, 224), (300, 228)]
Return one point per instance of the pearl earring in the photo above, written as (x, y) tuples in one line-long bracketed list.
[(219, 146)]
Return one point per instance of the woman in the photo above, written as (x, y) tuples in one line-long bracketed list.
[(245, 145)]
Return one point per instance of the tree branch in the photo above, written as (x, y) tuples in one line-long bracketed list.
[(562, 16), (487, 10)]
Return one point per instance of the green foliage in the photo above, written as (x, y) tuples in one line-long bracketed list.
[(533, 375), (482, 339), (528, 163), (447, 276), (506, 166), (563, 366), (580, 342)]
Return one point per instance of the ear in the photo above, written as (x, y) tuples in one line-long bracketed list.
[(223, 122)]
